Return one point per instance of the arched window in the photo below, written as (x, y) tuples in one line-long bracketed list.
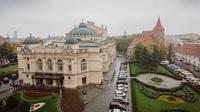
[(50, 64), (60, 65), (83, 65), (39, 64)]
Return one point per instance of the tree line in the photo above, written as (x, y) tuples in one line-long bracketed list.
[(8, 51), (149, 57)]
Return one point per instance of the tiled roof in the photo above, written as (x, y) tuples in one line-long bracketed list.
[(1, 37), (192, 49), (88, 44), (145, 38)]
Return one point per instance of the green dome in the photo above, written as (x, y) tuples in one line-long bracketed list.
[(82, 29), (71, 41), (31, 40)]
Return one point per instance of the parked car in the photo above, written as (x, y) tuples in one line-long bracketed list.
[(121, 89), (116, 105), (164, 62), (5, 80), (121, 101), (122, 85), (122, 82), (14, 76), (196, 69), (116, 110), (120, 94), (122, 78)]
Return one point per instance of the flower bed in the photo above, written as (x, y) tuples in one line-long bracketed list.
[(36, 94), (189, 96), (149, 92), (171, 99), (156, 79)]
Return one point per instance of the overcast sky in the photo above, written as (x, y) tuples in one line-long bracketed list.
[(56, 17)]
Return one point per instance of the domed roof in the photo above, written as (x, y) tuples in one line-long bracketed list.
[(71, 40), (82, 29), (31, 40)]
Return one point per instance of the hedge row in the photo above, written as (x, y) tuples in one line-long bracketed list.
[(193, 87), (134, 103), (35, 94)]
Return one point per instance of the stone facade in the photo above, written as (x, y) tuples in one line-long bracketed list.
[(188, 53), (73, 62)]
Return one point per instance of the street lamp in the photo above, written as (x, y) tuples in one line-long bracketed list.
[(84, 92)]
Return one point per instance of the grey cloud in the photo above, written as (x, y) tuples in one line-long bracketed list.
[(56, 17)]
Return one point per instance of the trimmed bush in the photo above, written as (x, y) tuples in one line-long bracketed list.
[(36, 94), (148, 91), (11, 103), (24, 107)]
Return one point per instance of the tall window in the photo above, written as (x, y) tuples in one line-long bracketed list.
[(39, 64), (28, 66), (70, 68), (83, 65), (50, 64), (60, 65)]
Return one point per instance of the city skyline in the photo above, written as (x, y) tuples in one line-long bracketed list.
[(57, 18)]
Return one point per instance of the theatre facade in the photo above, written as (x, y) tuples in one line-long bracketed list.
[(78, 59)]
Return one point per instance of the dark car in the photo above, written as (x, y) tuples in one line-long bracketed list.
[(122, 78), (122, 82), (14, 76), (121, 101), (116, 105), (5, 80)]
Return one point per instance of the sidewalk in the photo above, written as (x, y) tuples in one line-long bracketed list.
[(92, 91), (5, 87)]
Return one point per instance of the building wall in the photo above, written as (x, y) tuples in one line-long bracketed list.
[(98, 61), (187, 58)]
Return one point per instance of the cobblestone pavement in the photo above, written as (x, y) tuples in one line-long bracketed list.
[(101, 103), (6, 93), (5, 90)]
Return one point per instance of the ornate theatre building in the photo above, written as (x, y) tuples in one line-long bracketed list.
[(80, 58)]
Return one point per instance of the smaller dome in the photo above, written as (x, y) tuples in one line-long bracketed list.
[(31, 40), (71, 40)]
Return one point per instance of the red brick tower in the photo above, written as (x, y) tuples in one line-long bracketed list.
[(158, 34)]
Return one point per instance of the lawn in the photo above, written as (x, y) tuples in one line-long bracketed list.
[(135, 70), (50, 102), (143, 103), (147, 104), (10, 68)]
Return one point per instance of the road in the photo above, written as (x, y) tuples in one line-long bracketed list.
[(187, 67), (101, 103)]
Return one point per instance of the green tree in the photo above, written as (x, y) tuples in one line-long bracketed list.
[(138, 48), (122, 44), (8, 51), (155, 58), (144, 58), (170, 52)]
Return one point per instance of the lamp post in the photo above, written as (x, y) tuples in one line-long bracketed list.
[(84, 92)]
